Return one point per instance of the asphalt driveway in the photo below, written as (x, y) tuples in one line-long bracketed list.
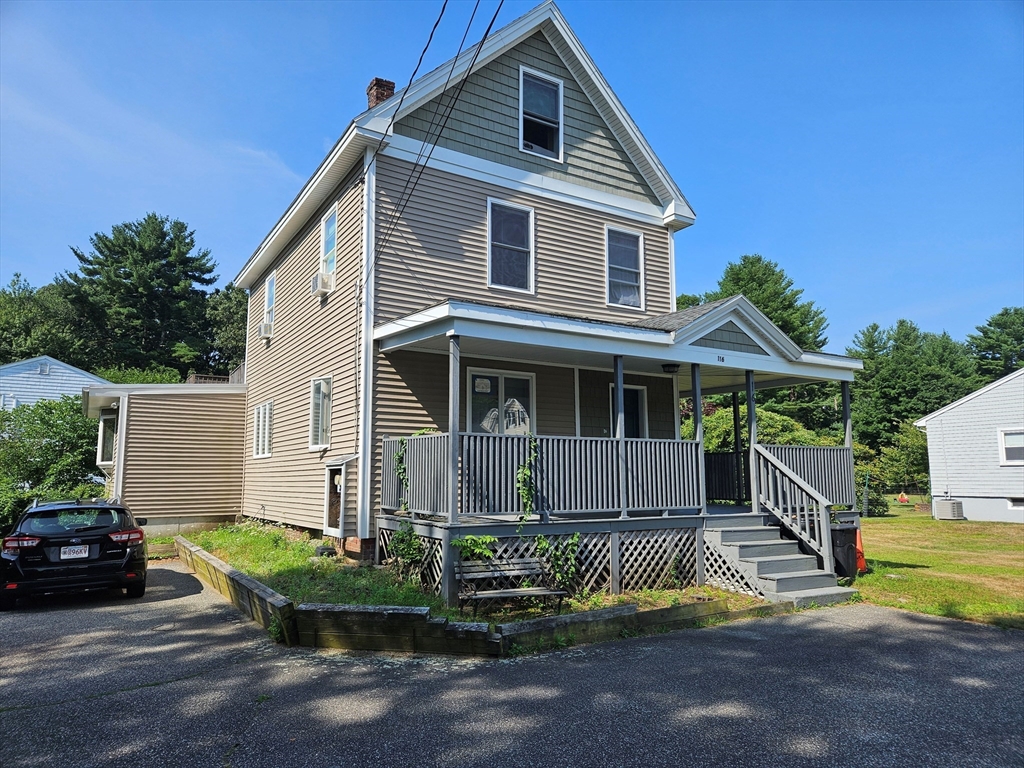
[(180, 679)]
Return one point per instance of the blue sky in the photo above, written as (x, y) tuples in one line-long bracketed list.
[(874, 150)]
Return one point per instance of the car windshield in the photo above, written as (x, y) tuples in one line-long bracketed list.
[(77, 520)]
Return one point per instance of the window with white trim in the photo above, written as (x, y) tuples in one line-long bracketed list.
[(108, 434), (328, 242), (510, 246), (625, 277), (263, 430), (540, 111), (269, 297), (501, 403), (320, 414), (1011, 447)]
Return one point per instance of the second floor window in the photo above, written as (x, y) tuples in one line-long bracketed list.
[(328, 242), (268, 300), (320, 414), (510, 231), (624, 278), (263, 430), (540, 105)]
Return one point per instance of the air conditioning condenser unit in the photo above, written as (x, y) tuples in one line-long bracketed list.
[(949, 509)]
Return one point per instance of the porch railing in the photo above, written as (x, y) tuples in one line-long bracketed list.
[(425, 463), (799, 507), (727, 476), (827, 469)]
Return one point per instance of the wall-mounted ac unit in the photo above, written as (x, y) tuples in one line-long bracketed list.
[(321, 284), (949, 509), (266, 330)]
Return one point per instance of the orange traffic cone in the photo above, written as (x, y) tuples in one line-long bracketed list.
[(862, 564)]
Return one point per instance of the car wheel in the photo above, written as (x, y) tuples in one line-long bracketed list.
[(136, 590)]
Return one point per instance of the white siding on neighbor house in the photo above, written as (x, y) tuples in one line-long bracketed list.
[(313, 337), (964, 448), (22, 383)]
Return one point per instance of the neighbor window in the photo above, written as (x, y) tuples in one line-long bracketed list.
[(510, 264), (625, 287), (269, 297), (263, 430), (540, 107), (634, 408), (328, 242), (108, 432), (501, 403), (1011, 446), (320, 414)]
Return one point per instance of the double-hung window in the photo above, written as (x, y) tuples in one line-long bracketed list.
[(625, 275), (1011, 447), (320, 414), (510, 246), (328, 242), (263, 430), (269, 297), (540, 109)]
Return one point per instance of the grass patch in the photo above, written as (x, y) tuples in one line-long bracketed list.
[(280, 558), (959, 569), (160, 539)]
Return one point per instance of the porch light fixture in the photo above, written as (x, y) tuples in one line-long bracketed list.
[(670, 367)]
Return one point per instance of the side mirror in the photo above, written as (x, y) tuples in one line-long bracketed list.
[(141, 521)]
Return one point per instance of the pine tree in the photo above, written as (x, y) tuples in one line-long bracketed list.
[(998, 346)]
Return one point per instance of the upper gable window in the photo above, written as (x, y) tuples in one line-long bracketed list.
[(625, 278), (328, 242), (540, 111), (510, 246)]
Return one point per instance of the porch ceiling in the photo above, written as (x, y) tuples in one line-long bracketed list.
[(515, 335)]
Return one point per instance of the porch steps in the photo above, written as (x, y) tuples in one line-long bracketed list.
[(775, 564)]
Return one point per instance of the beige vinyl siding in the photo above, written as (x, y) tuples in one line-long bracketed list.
[(596, 409), (313, 337), (439, 250), (183, 455), (485, 123)]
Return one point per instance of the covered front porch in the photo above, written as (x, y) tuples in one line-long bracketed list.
[(641, 503)]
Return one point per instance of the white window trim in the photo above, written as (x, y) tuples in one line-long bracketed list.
[(1003, 461), (312, 382), (500, 373), (491, 202), (561, 114), (611, 407), (608, 268), (323, 256), (272, 277), (268, 409), (99, 444), (343, 468)]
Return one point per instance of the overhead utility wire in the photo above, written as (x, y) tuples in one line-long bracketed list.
[(429, 138), (417, 172)]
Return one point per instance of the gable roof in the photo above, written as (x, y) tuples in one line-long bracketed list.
[(366, 130), (923, 421), (7, 367)]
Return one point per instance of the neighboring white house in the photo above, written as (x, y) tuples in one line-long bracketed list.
[(41, 378), (976, 451)]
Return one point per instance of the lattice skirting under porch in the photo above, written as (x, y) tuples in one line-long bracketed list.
[(430, 573), (720, 572)]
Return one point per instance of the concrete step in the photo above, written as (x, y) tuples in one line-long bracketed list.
[(745, 550), (748, 533), (804, 598), (782, 564), (798, 581)]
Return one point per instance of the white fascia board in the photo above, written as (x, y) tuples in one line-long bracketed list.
[(94, 398), (754, 320), (967, 398), (347, 151), (488, 171), (835, 361)]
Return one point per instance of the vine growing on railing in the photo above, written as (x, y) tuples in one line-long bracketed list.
[(401, 470), (526, 483)]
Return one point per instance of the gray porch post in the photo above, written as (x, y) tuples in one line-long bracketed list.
[(752, 438), (847, 420), (449, 586), (698, 435), (737, 443), (620, 432)]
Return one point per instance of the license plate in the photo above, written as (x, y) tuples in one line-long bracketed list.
[(74, 553)]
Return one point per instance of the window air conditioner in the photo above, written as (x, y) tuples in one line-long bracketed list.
[(266, 330), (321, 284)]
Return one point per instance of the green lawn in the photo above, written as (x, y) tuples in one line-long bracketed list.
[(960, 569)]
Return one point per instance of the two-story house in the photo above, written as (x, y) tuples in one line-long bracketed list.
[(489, 255)]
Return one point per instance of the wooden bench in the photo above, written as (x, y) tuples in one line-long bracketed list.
[(471, 573)]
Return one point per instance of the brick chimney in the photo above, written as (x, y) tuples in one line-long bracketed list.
[(379, 90)]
